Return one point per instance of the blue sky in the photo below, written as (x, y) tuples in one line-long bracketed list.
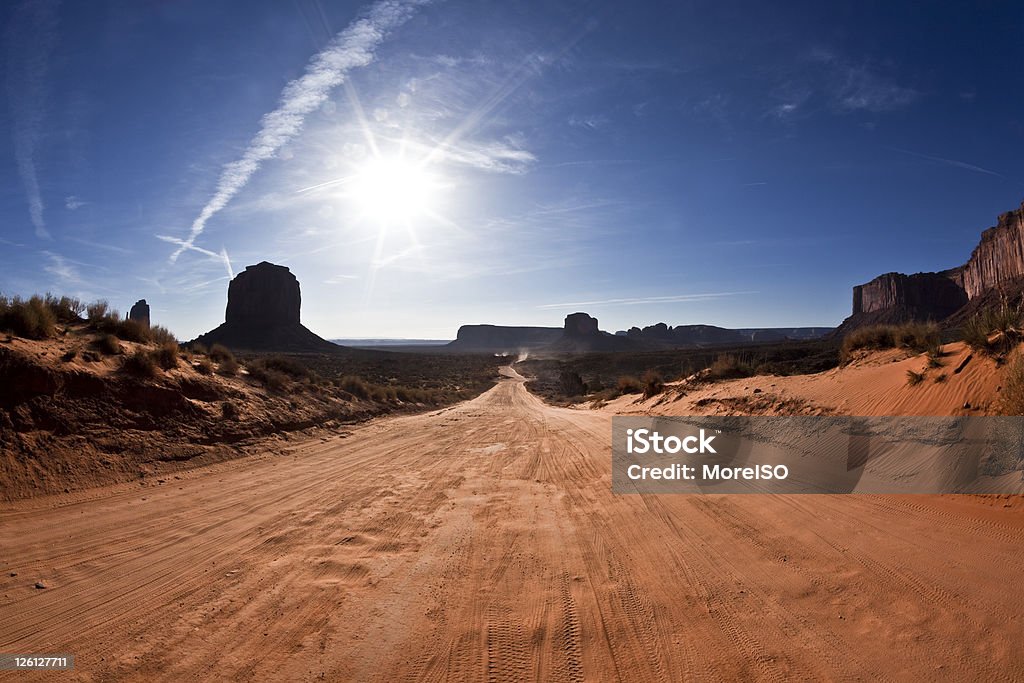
[(738, 164)]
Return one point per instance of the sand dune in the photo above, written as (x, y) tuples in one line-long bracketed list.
[(483, 542)]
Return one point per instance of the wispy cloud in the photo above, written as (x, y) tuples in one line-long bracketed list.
[(30, 38), (637, 301), (60, 268), (589, 122), (184, 245), (949, 162), (352, 48), (861, 89), (72, 202)]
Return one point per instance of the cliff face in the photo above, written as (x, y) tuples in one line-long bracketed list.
[(996, 263), (925, 295), (999, 257)]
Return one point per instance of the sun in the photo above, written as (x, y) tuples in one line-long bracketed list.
[(394, 190)]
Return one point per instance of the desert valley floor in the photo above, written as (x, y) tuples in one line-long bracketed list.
[(483, 542)]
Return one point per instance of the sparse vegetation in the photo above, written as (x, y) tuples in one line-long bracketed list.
[(159, 334), (917, 337), (914, 378), (728, 366), (228, 367), (653, 383), (220, 353), (204, 366), (994, 330), (166, 355), (140, 363), (1011, 398), (628, 385), (31, 318), (940, 378), (108, 345)]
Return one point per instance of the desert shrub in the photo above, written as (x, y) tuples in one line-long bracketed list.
[(728, 366), (269, 377), (220, 353), (653, 383), (357, 386), (31, 318), (166, 355), (935, 357), (1011, 398), (199, 349), (939, 379), (69, 355), (281, 364), (994, 330), (914, 378), (130, 330), (228, 366), (914, 336), (97, 310), (159, 334), (629, 385), (203, 366), (228, 410), (108, 345), (66, 309), (140, 363), (571, 384)]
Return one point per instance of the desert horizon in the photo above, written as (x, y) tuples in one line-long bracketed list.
[(511, 341)]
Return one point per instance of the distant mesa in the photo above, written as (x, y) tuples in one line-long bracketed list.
[(140, 312), (503, 339), (263, 314), (994, 270)]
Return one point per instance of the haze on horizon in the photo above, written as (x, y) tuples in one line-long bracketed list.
[(423, 165)]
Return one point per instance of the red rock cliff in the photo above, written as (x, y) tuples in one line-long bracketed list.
[(999, 258)]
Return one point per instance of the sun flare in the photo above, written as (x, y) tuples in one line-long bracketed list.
[(394, 190)]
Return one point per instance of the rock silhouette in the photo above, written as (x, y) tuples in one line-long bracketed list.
[(262, 314), (140, 312)]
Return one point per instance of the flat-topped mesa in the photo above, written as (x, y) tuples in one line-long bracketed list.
[(996, 267), (264, 294), (580, 325), (140, 312)]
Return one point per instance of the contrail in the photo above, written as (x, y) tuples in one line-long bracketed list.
[(30, 38), (352, 48)]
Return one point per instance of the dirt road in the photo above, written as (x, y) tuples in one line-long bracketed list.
[(483, 542)]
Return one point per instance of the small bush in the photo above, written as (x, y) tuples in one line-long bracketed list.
[(357, 386), (199, 349), (140, 363), (995, 330), (204, 366), (1011, 399), (166, 356), (629, 385), (159, 334), (97, 310), (728, 366), (66, 309), (939, 379), (228, 367), (108, 345), (228, 410), (914, 378), (653, 383), (221, 353)]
